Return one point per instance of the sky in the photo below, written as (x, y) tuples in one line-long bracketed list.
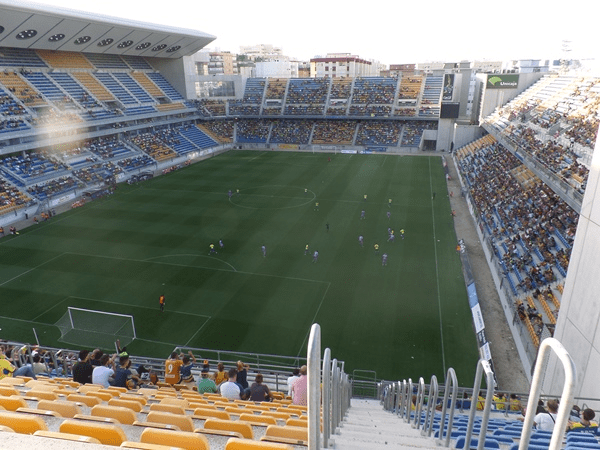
[(389, 31)]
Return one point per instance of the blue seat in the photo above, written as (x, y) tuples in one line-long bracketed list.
[(488, 444)]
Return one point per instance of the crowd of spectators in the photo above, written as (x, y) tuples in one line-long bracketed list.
[(54, 187), (154, 145), (240, 108), (291, 131), (98, 173), (222, 129), (410, 87), (530, 227), (334, 132), (253, 130), (413, 131), (136, 162), (314, 109), (378, 133), (216, 108), (11, 196), (255, 89), (374, 90), (341, 88), (311, 91), (276, 88)]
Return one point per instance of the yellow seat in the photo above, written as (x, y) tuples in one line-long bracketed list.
[(124, 415), (6, 429), (73, 384), (263, 421), (131, 404), (84, 389), (247, 444), (104, 396), (147, 446), (289, 434), (42, 395), (135, 398), (238, 426), (111, 392), (182, 439), (280, 415), (13, 402), (107, 434), (22, 423), (174, 401), (65, 409), (206, 413), (258, 407), (174, 409), (7, 391), (12, 381), (184, 422), (296, 423), (236, 410), (66, 436), (88, 401)]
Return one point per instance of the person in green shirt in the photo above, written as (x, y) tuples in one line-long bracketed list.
[(205, 383)]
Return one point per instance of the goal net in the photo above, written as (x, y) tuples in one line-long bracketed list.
[(95, 329)]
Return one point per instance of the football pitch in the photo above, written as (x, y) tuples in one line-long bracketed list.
[(409, 318)]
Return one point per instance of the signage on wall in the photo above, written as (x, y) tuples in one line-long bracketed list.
[(502, 81)]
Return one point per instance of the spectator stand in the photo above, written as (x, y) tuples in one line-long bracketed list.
[(431, 98)]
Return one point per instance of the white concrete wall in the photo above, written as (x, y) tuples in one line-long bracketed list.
[(578, 327)]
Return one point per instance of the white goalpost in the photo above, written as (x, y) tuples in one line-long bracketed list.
[(93, 328)]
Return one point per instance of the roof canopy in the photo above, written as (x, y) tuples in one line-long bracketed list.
[(35, 26)]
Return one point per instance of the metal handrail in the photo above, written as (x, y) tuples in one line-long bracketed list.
[(566, 398), (451, 383), (314, 387), (431, 404), (419, 403), (483, 366), (326, 396)]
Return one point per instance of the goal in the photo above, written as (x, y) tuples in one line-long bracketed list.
[(95, 329)]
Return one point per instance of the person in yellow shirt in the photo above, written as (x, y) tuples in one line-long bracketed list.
[(172, 369)]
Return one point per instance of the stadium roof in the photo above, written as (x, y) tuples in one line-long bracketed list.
[(35, 26)]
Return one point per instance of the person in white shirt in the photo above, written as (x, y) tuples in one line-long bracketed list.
[(230, 389), (102, 373), (291, 380), (545, 421)]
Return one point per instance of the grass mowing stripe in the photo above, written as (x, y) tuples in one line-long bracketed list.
[(31, 270)]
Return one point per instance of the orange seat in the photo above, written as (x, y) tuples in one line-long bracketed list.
[(184, 422), (288, 433), (247, 444), (182, 439), (174, 409), (7, 391), (65, 409), (238, 426), (131, 404), (22, 423), (13, 402), (86, 400), (253, 419), (106, 434), (42, 395), (125, 416), (67, 436), (206, 413)]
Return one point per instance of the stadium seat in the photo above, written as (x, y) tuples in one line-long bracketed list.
[(131, 404), (6, 429), (247, 444), (236, 410), (101, 395), (134, 398), (86, 400), (174, 409), (237, 426), (207, 413), (7, 391), (22, 423), (13, 402), (279, 414), (66, 436), (298, 435), (263, 421), (64, 408), (105, 433), (182, 439), (124, 415), (162, 426), (184, 422), (175, 401), (88, 387), (12, 381), (41, 395), (296, 423), (147, 446)]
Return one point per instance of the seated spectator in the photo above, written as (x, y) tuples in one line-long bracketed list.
[(102, 373), (260, 392), (124, 376), (220, 375), (172, 369), (230, 389), (95, 357), (205, 383), (39, 368), (186, 368), (545, 421), (82, 370), (242, 375), (300, 388), (291, 380), (585, 422)]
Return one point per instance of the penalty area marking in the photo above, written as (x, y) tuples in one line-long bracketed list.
[(194, 255)]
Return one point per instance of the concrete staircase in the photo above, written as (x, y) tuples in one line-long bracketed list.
[(368, 427)]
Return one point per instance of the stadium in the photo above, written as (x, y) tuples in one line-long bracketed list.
[(404, 237)]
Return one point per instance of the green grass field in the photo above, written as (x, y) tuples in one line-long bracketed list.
[(408, 319)]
